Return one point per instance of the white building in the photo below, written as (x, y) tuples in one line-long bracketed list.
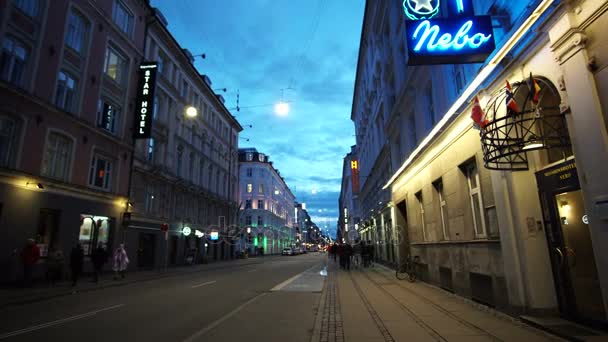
[(267, 205)]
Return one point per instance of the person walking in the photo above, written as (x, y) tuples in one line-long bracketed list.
[(30, 254), (55, 263), (348, 253), (76, 263), (370, 252), (121, 261), (357, 252), (99, 258), (364, 256), (334, 249)]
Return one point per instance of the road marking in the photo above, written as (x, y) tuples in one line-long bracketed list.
[(280, 286), (59, 321), (203, 284), (225, 317)]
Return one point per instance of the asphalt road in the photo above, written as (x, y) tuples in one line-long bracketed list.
[(274, 300)]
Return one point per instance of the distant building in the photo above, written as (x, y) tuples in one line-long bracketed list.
[(348, 222), (266, 203)]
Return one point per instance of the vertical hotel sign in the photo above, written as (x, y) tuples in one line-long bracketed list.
[(354, 171), (145, 100)]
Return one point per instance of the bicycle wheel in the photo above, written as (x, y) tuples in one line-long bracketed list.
[(400, 273), (411, 277)]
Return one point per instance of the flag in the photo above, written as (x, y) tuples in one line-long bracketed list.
[(478, 116), (510, 101), (534, 88)]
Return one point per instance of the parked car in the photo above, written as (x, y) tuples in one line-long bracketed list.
[(287, 251)]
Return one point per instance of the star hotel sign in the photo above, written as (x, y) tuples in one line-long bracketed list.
[(459, 38), (145, 100)]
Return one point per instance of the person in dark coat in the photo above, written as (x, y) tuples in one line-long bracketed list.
[(348, 253), (76, 263), (99, 258), (30, 254), (334, 250)]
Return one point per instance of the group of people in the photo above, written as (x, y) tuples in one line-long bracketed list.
[(360, 254), (30, 255)]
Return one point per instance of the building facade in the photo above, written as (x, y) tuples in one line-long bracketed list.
[(348, 221), (67, 91), (186, 174), (513, 214), (267, 216)]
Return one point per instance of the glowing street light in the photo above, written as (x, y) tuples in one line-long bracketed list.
[(281, 108), (191, 112)]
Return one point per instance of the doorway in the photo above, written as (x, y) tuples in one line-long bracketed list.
[(145, 252), (570, 247)]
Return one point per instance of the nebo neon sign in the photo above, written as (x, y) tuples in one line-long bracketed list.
[(446, 41)]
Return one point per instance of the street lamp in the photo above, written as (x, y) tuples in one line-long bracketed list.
[(281, 108), (191, 112)]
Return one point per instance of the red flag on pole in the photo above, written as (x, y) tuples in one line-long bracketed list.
[(477, 114)]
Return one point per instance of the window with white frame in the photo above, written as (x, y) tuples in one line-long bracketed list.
[(115, 65), (421, 213), (76, 31), (472, 174), (57, 156), (13, 61), (65, 98), (249, 172), (29, 7), (108, 115), (123, 17), (100, 174), (261, 157), (9, 130), (443, 211), (249, 188)]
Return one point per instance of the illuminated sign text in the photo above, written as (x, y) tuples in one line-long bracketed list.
[(145, 100)]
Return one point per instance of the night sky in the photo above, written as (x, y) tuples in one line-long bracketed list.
[(262, 46)]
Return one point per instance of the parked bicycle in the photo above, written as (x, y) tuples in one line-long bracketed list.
[(408, 269)]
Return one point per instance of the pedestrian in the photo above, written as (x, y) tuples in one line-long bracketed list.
[(348, 253), (76, 263), (364, 253), (99, 258), (334, 249), (341, 255), (357, 251), (55, 263), (370, 252), (121, 260), (30, 254)]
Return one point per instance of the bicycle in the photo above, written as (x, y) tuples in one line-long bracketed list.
[(408, 269)]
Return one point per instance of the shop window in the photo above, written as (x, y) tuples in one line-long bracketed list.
[(76, 32), (472, 174), (65, 97), (94, 231), (122, 17), (13, 61), (9, 135), (443, 211), (100, 174), (108, 115), (421, 213), (57, 156)]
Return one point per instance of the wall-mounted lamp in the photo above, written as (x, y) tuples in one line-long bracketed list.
[(38, 185)]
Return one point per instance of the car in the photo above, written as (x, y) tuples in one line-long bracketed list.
[(287, 251)]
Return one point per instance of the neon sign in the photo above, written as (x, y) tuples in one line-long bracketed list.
[(145, 100), (450, 41), (420, 9)]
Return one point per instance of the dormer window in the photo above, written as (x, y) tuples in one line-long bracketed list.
[(261, 157), (249, 156)]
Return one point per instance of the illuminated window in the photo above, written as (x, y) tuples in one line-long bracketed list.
[(115, 65), (57, 156), (443, 211), (108, 115), (249, 187), (150, 150), (66, 91), (261, 157), (94, 231), (249, 156), (13, 61), (100, 173), (479, 223), (76, 32), (421, 211), (122, 17)]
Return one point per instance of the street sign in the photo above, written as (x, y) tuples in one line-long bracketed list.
[(186, 231), (164, 227)]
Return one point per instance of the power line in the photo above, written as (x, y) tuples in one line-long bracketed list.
[(308, 43)]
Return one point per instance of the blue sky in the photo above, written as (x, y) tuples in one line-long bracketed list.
[(262, 46)]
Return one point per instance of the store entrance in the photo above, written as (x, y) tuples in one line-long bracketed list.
[(571, 251)]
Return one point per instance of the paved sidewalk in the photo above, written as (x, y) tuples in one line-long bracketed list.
[(371, 305), (41, 291)]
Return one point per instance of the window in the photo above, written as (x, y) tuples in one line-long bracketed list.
[(247, 204), (107, 116), (443, 211), (28, 7), (249, 187), (191, 167), (150, 150), (210, 177), (260, 221), (57, 156), (249, 156), (248, 220), (261, 188), (184, 89), (12, 61), (179, 161), (260, 204), (479, 223), (249, 172), (115, 65), (149, 199), (75, 36), (201, 173), (122, 17), (66, 91), (162, 66), (8, 140), (458, 78), (421, 210), (94, 230), (100, 175)]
